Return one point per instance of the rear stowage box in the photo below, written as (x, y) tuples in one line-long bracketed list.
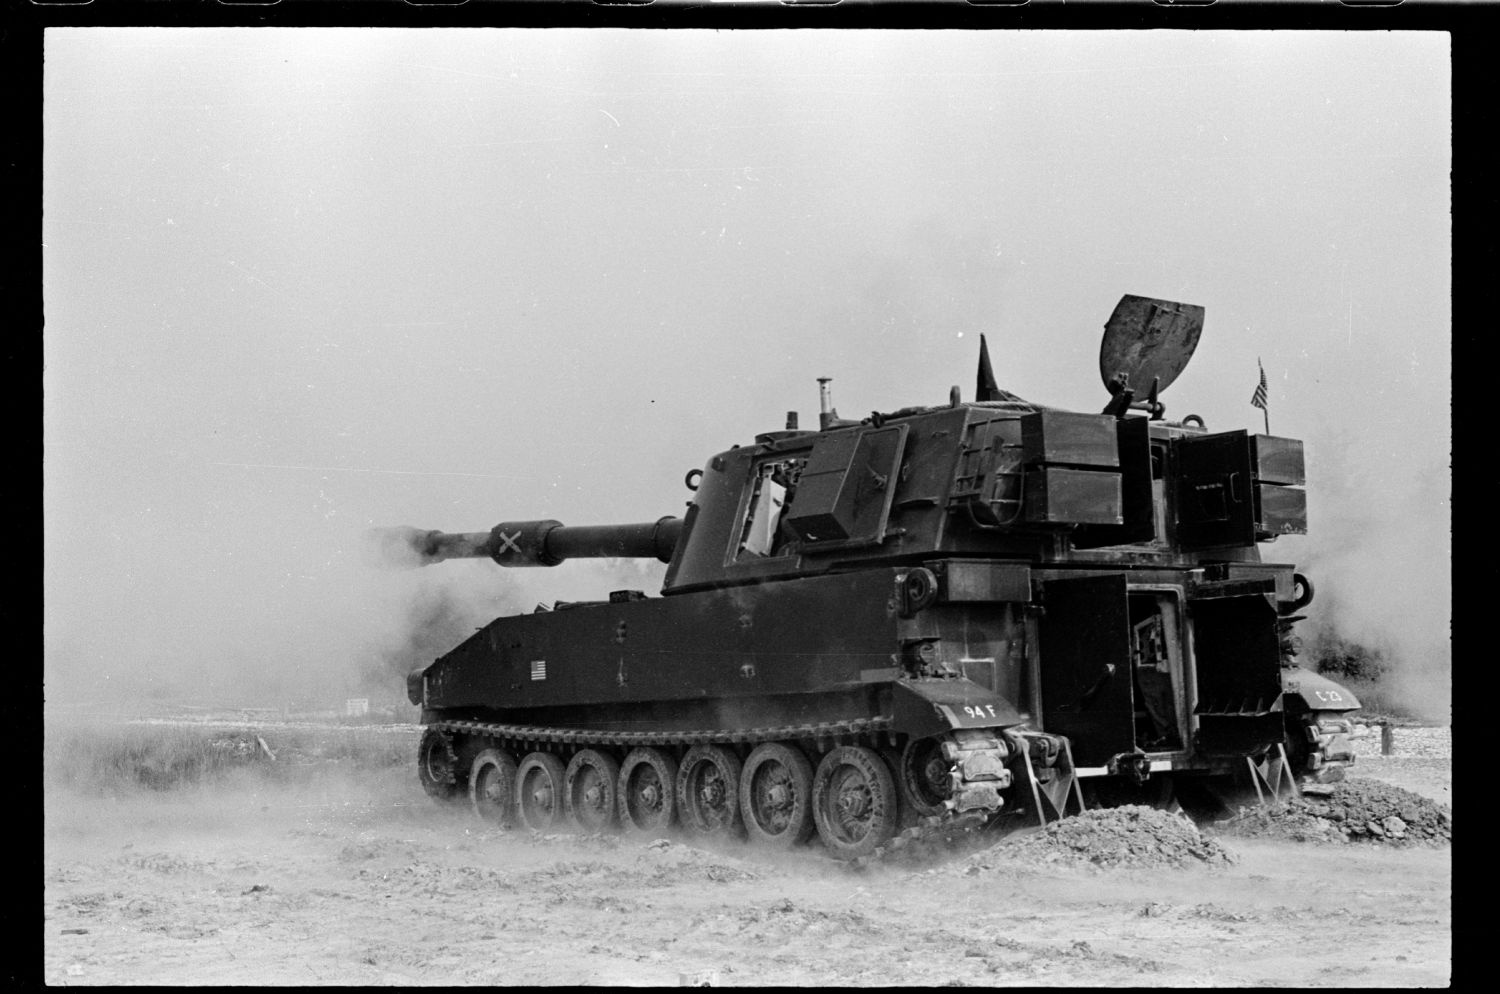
[(1280, 504), (1059, 495), (1072, 473), (1069, 438), (1278, 460), (1279, 510)]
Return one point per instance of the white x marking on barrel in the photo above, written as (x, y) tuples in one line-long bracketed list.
[(508, 544)]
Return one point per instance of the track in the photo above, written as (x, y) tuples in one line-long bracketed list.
[(531, 735), (857, 809)]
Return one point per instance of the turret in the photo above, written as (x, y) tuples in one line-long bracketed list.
[(998, 479)]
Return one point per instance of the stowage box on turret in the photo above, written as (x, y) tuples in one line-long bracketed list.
[(976, 611)]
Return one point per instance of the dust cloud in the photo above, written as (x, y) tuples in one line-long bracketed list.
[(263, 617), (1381, 560), (337, 880)]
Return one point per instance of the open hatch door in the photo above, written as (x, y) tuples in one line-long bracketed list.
[(1084, 646), (1237, 658), (1215, 491)]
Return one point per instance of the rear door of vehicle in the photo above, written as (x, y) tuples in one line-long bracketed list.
[(1084, 663)]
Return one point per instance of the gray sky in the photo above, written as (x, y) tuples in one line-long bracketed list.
[(303, 281)]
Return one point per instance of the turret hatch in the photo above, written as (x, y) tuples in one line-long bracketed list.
[(844, 496)]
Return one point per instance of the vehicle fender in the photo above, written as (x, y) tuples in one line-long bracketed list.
[(1317, 691), (933, 707), (414, 684)]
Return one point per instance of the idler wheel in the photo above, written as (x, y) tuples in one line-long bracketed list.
[(589, 790), (437, 765), (647, 789), (854, 802), (708, 790), (492, 787), (539, 792), (776, 795)]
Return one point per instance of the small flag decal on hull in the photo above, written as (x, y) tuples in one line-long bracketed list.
[(538, 669)]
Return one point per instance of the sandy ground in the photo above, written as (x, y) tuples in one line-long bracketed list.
[(367, 882)]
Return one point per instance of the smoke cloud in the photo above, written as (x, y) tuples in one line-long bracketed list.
[(285, 612), (1381, 560)]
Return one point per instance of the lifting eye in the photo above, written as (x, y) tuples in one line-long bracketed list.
[(1304, 598), (691, 481)]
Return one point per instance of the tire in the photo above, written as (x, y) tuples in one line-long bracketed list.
[(708, 785), (776, 796), (854, 802), (492, 787), (589, 786), (539, 792), (647, 791)]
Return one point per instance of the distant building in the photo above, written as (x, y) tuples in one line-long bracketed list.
[(356, 707)]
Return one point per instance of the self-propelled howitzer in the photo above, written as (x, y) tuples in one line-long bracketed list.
[(966, 610)]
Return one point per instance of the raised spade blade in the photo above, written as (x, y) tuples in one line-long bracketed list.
[(1147, 338)]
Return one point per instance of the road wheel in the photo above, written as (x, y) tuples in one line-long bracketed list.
[(492, 787), (1298, 719), (708, 785), (539, 792), (589, 790), (922, 777), (854, 802), (776, 796), (647, 790), (437, 765)]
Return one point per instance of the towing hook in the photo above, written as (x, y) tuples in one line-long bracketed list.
[(1134, 765)]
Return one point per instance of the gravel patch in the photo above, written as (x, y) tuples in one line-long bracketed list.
[(1355, 810), (1409, 741), (1131, 836)]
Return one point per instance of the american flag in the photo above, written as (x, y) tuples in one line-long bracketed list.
[(1259, 399)]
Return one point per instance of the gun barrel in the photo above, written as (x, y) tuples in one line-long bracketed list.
[(530, 543), (647, 540)]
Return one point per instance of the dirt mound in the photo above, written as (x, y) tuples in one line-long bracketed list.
[(1355, 810), (1128, 837)]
